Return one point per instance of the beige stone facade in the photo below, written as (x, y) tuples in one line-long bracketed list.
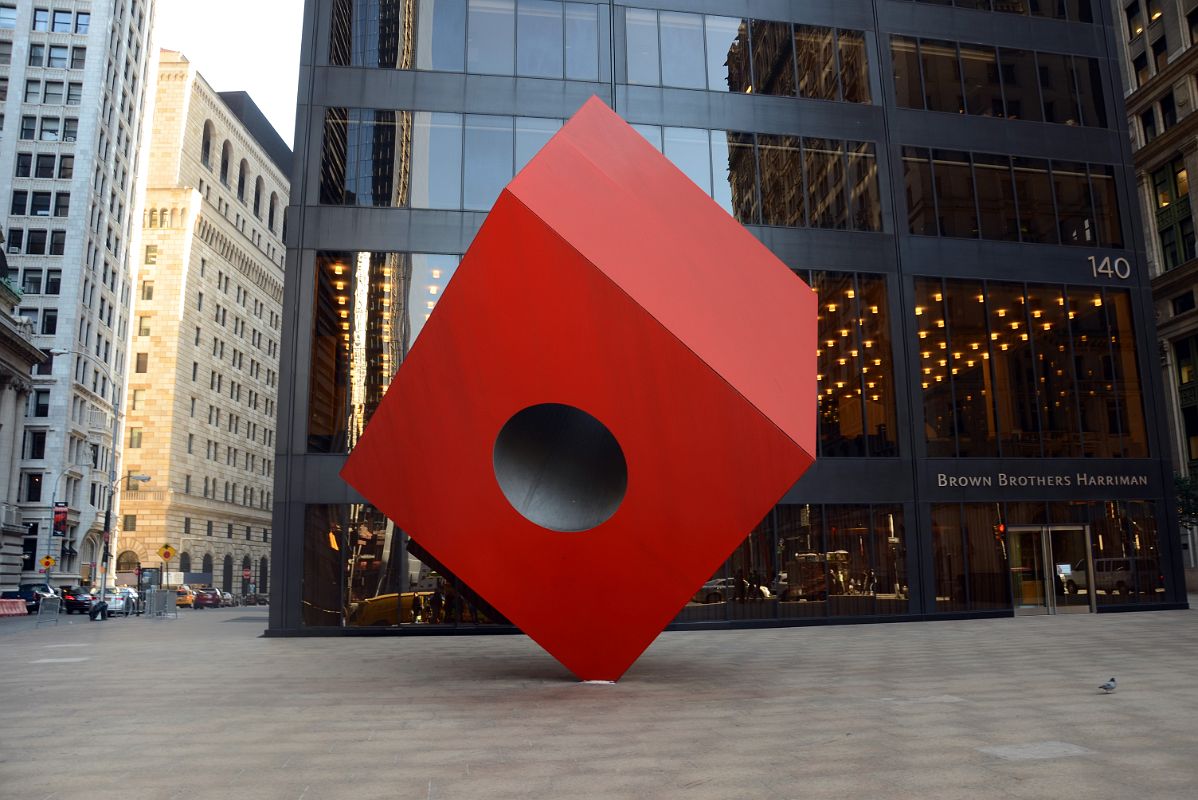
[(205, 336)]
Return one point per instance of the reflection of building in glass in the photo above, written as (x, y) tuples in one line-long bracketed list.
[(989, 424)]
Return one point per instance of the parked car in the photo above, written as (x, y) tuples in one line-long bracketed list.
[(121, 601), (226, 599), (256, 599), (185, 598), (32, 594), (76, 599), (1116, 576), (720, 589), (206, 598)]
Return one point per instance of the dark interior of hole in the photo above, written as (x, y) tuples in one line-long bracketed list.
[(560, 467)]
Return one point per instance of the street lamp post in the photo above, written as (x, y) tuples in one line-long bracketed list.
[(104, 553)]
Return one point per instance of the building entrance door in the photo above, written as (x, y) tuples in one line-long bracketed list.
[(1051, 567)]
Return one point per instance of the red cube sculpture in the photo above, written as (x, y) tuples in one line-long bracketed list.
[(614, 389)]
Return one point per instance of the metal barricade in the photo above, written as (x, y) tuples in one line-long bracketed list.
[(48, 610), (160, 604)]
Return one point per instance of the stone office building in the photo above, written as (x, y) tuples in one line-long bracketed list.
[(205, 337), (1159, 63), (953, 181)]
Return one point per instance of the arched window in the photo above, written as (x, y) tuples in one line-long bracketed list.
[(270, 219), (127, 562), (207, 566), (263, 575), (206, 145), (226, 583), (259, 186), (185, 562), (243, 174), (226, 155)]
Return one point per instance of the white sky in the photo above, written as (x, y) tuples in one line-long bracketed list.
[(241, 45)]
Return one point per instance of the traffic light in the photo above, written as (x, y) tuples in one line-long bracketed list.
[(1000, 530)]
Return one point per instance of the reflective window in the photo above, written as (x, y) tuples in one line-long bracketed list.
[(1068, 203), (436, 160), (941, 76), (539, 31), (1057, 92), (491, 36), (811, 561), (996, 197), (1075, 10), (1033, 192), (865, 204), (381, 301), (978, 79), (856, 393), (682, 61), (531, 135), (983, 89), (727, 54), (1075, 212), (447, 161), (367, 33), (953, 180), (817, 59), (854, 66), (360, 570), (825, 167), (904, 55), (1088, 79), (1020, 84), (969, 557), (441, 35), (774, 59), (583, 33), (365, 152), (731, 54), (781, 180), (1017, 370), (644, 60), (487, 161), (921, 202), (690, 150)]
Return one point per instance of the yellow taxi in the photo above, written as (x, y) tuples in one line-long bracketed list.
[(389, 609), (185, 597)]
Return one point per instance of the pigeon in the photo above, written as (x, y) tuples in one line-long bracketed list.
[(1109, 686)]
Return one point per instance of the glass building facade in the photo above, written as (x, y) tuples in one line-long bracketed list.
[(951, 180)]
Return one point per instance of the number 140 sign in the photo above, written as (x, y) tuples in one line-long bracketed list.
[(1117, 268)]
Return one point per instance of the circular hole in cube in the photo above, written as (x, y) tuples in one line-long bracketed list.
[(560, 467)]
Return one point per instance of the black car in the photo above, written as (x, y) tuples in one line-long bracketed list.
[(76, 599)]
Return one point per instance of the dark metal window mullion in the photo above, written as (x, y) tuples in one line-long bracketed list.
[(1077, 403), (1116, 383), (1031, 343), (950, 363), (990, 364), (860, 362)]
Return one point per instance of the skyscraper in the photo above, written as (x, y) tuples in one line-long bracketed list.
[(953, 181), (74, 78)]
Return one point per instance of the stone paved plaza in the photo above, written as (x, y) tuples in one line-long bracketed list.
[(204, 707)]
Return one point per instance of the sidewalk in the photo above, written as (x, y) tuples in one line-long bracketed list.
[(202, 707)]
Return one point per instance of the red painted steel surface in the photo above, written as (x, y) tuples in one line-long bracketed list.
[(605, 280)]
